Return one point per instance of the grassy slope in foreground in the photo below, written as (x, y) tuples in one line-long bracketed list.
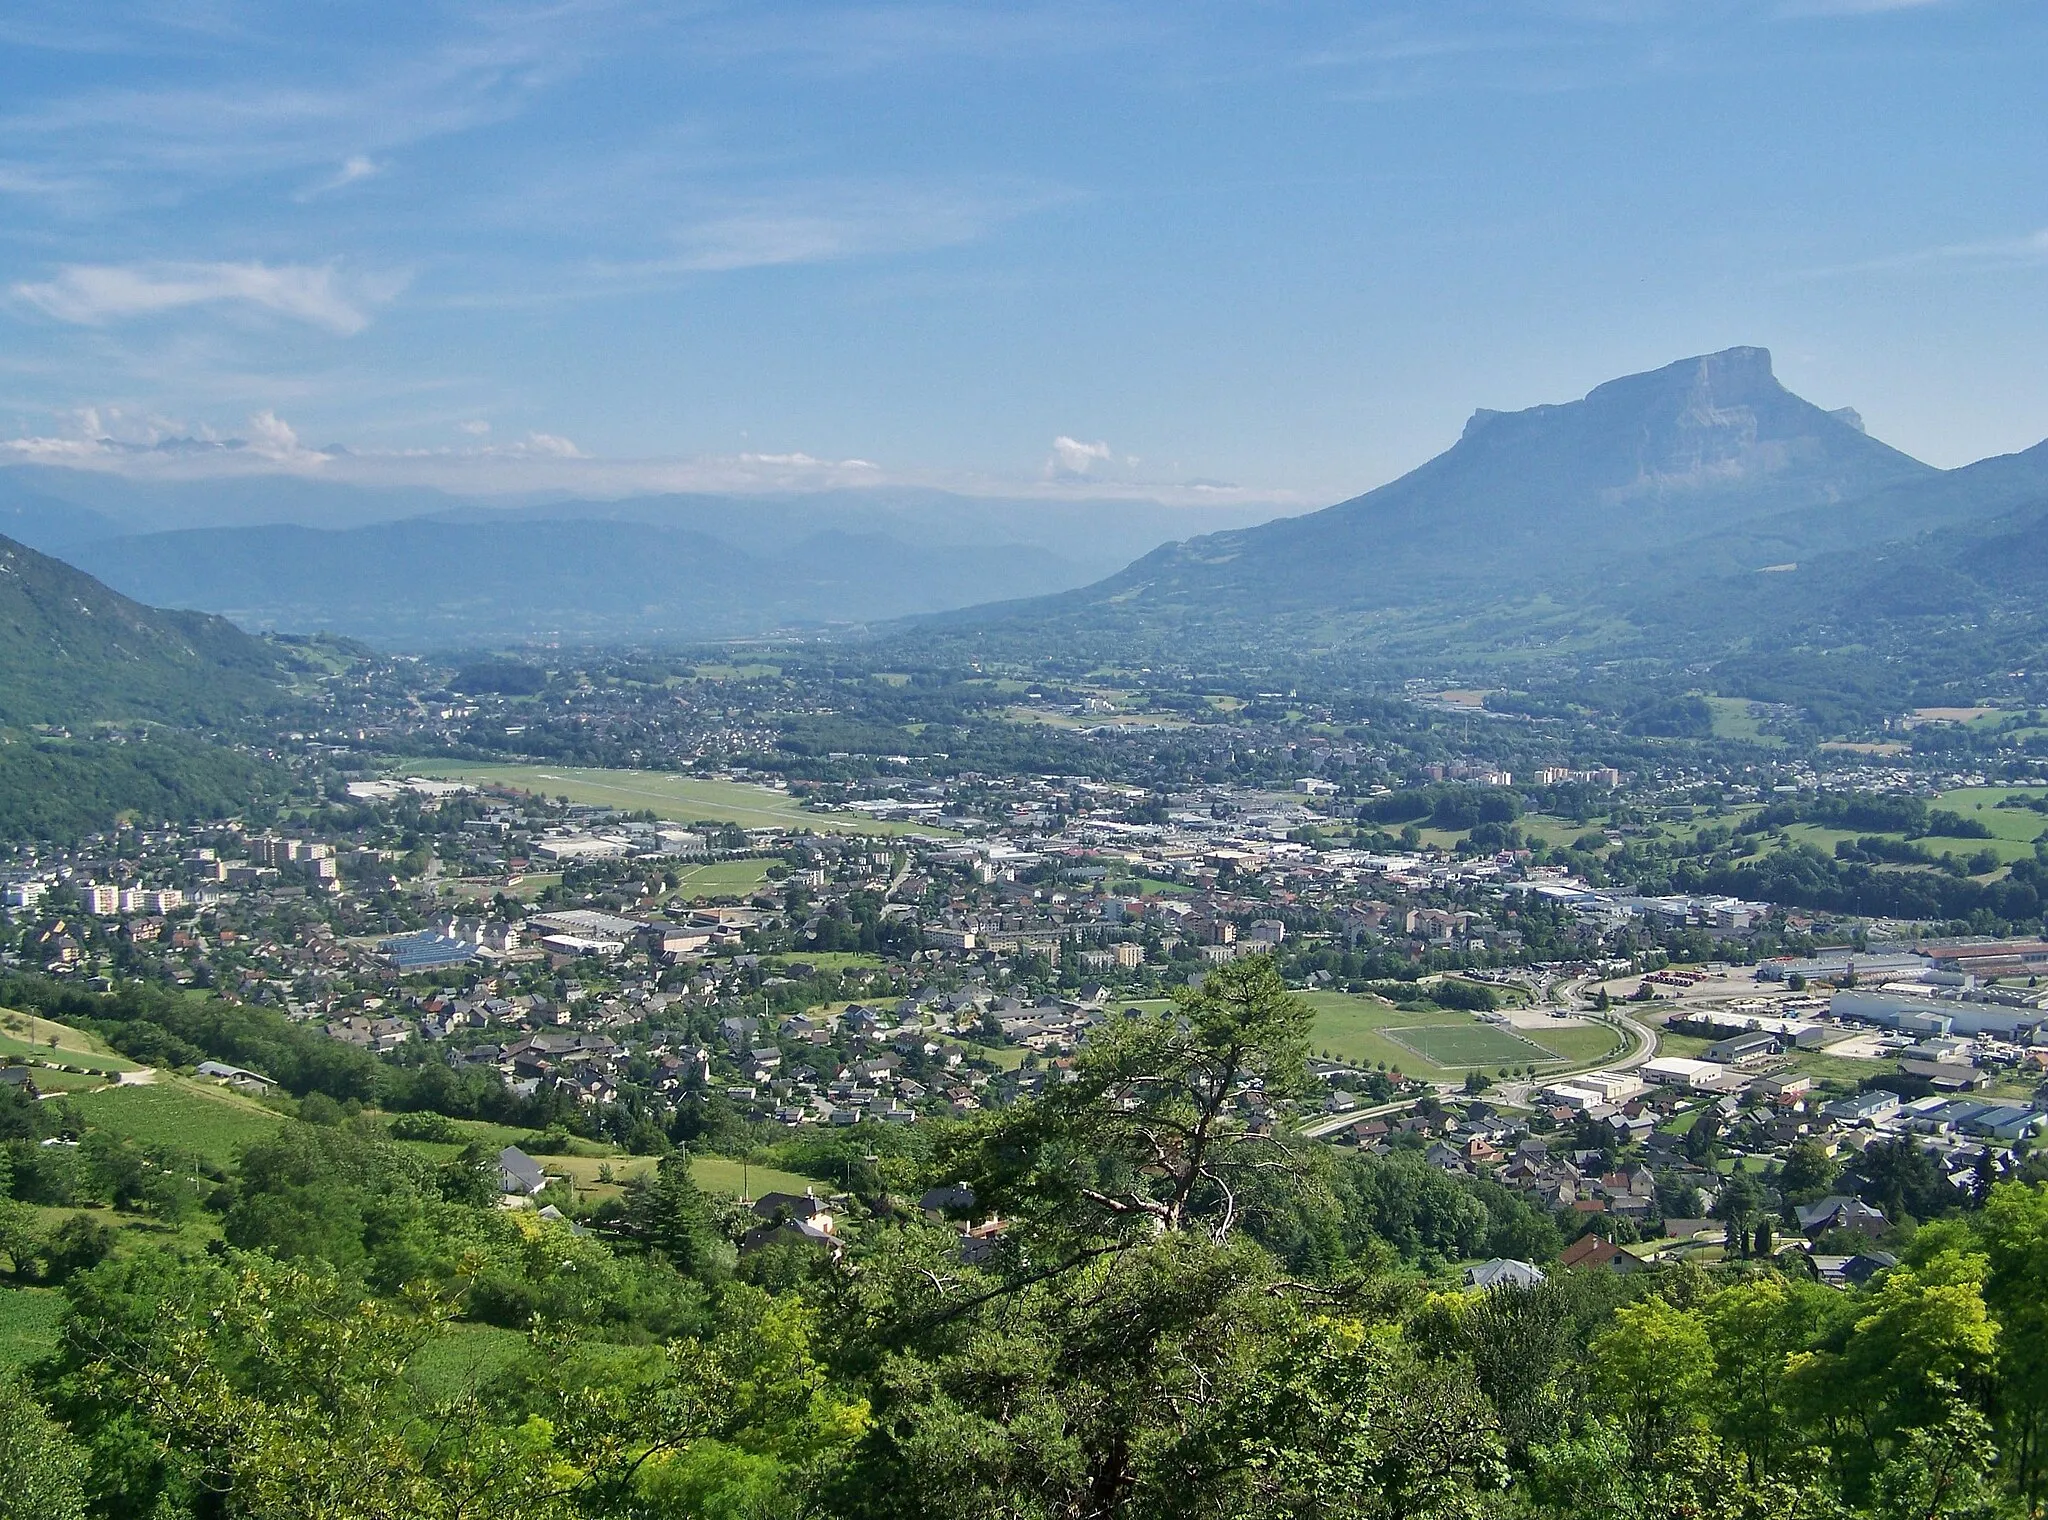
[(685, 799), (199, 1117), (31, 1035)]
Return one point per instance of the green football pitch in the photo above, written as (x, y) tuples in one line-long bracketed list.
[(1452, 1046)]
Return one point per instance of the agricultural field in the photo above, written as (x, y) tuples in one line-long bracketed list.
[(463, 1359), (1735, 718), (2013, 829), (525, 889), (669, 794), (825, 960), (588, 1162), (50, 1080), (1840, 1071), (722, 1174), (190, 1116), (1150, 886), (28, 1324), (2016, 825)]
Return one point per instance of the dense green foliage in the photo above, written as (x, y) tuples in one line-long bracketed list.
[(1188, 1314), (168, 1027), (72, 651), (61, 789)]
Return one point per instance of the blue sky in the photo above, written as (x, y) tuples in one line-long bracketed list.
[(1197, 250)]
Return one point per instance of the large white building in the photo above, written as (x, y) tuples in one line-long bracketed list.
[(1678, 1071)]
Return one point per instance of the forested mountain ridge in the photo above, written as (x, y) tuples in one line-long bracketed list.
[(72, 651)]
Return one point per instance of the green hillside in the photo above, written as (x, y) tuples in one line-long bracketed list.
[(72, 651)]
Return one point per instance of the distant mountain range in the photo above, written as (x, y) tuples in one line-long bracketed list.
[(1697, 511), (72, 651), (421, 568)]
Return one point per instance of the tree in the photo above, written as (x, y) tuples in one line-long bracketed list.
[(670, 1214), (269, 1390), (1905, 1182), (1741, 1201), (43, 1466), (1519, 1342), (1755, 1327), (1808, 1174), (1149, 1137), (2014, 1231), (20, 1241), (78, 1243), (1653, 1367), (1174, 1378), (1917, 1338), (1941, 1471)]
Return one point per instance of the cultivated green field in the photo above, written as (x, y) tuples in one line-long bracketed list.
[(722, 1174), (28, 1323), (685, 799), (589, 1159), (49, 1080), (2015, 825), (1735, 718), (824, 960), (465, 1358), (191, 1116)]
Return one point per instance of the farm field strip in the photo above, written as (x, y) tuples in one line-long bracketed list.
[(191, 1116), (682, 799)]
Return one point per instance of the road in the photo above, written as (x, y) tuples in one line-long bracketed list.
[(1329, 1124)]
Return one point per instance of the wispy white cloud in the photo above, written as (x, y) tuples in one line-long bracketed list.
[(1075, 459), (827, 222), (355, 168), (1988, 253), (118, 439), (546, 446), (486, 69), (95, 295), (23, 179), (146, 446)]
